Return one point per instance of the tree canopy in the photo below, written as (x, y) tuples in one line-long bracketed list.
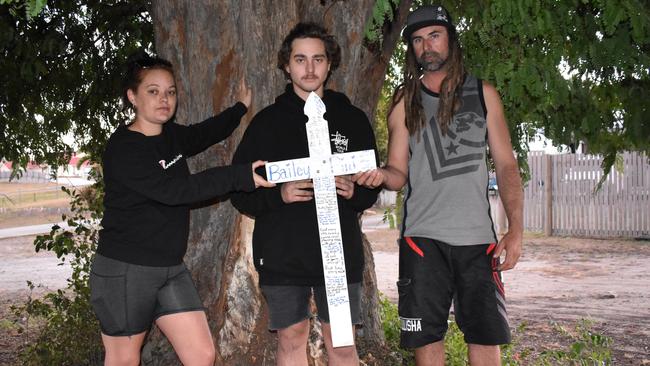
[(577, 70), (61, 73)]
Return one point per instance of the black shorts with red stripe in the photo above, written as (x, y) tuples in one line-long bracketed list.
[(432, 275)]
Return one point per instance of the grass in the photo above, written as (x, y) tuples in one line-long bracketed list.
[(22, 195), (31, 204), (8, 325), (21, 199), (7, 187)]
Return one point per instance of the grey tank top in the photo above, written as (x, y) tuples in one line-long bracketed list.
[(446, 196)]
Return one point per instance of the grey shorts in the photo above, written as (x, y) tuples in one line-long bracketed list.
[(128, 298), (289, 305)]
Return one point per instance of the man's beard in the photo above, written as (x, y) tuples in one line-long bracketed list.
[(431, 61)]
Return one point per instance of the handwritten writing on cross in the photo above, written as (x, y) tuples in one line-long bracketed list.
[(321, 166)]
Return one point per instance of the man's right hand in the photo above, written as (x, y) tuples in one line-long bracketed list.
[(298, 191), (370, 178)]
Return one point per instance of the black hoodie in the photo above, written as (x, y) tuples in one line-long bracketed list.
[(148, 188), (286, 244)]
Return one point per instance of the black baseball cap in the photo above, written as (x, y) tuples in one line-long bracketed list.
[(424, 17)]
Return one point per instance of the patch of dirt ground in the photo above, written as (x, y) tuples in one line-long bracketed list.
[(18, 264)]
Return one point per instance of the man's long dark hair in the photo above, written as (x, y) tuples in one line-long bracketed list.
[(450, 90)]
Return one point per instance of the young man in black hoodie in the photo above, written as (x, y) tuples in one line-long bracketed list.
[(286, 243)]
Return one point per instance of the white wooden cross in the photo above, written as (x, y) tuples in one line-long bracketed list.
[(321, 166)]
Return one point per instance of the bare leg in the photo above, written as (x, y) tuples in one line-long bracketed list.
[(292, 344), (432, 354), (189, 334), (480, 355), (339, 356), (123, 351)]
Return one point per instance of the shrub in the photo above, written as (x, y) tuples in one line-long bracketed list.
[(68, 332), (391, 326)]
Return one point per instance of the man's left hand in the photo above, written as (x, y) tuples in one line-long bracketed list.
[(511, 243)]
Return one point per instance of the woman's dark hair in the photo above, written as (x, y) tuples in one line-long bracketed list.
[(310, 30), (135, 67)]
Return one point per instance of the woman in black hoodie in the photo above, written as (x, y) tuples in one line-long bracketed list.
[(138, 275)]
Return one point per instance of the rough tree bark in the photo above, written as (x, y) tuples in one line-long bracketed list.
[(212, 44), (365, 92)]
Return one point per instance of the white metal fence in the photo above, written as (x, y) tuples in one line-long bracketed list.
[(27, 177)]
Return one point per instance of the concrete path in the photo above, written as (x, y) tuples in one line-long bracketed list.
[(29, 230)]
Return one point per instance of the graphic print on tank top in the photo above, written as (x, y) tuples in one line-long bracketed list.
[(458, 152)]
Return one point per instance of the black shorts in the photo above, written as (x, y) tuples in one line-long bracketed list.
[(432, 274), (289, 305), (128, 298)]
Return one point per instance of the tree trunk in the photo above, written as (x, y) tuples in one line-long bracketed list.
[(366, 89), (212, 44)]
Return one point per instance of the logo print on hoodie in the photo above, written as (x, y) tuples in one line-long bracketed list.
[(167, 165), (340, 142)]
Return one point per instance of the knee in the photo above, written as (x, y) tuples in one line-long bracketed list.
[(293, 338), (290, 343), (484, 349), (205, 356), (122, 358), (210, 355)]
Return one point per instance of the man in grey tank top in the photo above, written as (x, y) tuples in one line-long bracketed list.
[(441, 121)]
